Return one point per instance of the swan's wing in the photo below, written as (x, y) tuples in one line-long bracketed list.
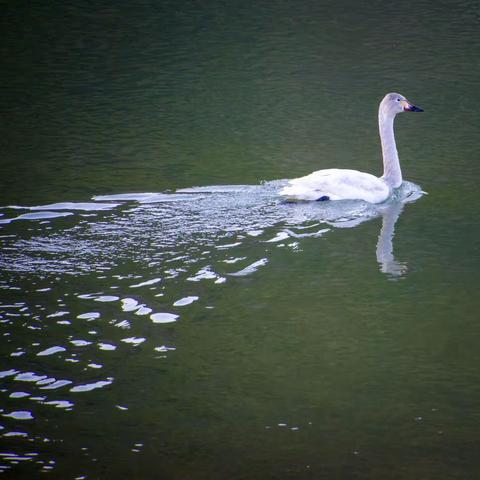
[(338, 184)]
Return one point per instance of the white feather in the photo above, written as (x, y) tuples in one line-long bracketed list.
[(344, 184), (338, 184)]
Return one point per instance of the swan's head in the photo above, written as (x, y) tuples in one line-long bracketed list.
[(394, 103)]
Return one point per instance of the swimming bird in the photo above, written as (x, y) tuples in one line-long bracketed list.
[(345, 184)]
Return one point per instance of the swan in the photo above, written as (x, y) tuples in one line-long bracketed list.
[(345, 184)]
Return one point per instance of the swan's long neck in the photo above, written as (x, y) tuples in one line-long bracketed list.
[(391, 164)]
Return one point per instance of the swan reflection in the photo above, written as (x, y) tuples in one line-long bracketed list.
[(385, 257), (350, 214), (384, 251), (389, 212)]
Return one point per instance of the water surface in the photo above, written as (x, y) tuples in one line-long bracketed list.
[(164, 314)]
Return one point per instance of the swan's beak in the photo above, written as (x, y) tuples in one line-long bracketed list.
[(408, 107)]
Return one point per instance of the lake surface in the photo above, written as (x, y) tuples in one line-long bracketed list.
[(164, 314)]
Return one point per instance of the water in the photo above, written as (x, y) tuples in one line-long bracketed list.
[(164, 314)]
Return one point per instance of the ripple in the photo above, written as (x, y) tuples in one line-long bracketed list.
[(163, 247), (206, 273), (19, 415), (163, 317), (89, 316), (146, 283), (106, 346), (80, 343), (75, 206), (29, 377), (234, 259), (60, 403), (56, 384), (185, 301), (50, 351), (129, 304), (134, 340), (19, 395), (164, 348), (278, 237), (251, 268), (107, 298), (36, 216), (10, 456), (60, 313), (143, 311), (222, 217), (87, 387), (227, 245), (94, 365), (125, 324)]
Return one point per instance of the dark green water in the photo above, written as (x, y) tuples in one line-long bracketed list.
[(216, 332)]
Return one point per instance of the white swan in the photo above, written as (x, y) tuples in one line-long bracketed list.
[(344, 184)]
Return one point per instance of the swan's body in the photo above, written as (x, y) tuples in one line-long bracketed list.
[(338, 184), (343, 184)]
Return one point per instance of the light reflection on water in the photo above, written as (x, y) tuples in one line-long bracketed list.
[(178, 241), (301, 356), (156, 227)]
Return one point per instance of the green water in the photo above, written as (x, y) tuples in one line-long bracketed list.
[(164, 315)]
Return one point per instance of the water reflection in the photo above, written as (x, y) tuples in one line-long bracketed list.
[(385, 256), (154, 228), (390, 213)]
